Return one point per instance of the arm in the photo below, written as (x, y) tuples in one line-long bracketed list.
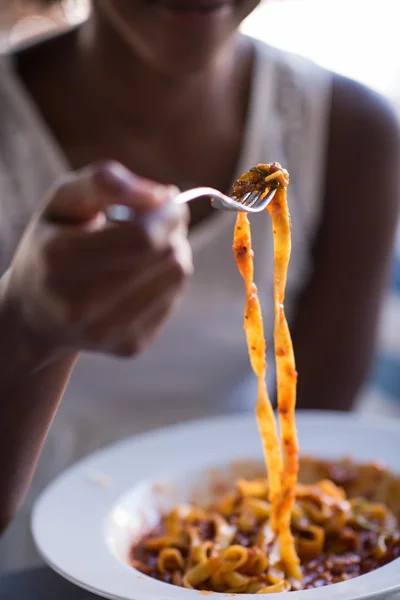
[(79, 282), (336, 322), (30, 389)]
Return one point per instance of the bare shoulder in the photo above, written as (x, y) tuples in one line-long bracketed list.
[(364, 148), (363, 118)]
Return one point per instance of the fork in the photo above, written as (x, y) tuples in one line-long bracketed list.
[(251, 202)]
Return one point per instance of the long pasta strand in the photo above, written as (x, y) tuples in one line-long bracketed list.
[(286, 383), (253, 325)]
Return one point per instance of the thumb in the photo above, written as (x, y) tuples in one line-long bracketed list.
[(84, 194)]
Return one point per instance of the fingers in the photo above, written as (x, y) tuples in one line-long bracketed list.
[(142, 332), (82, 254), (98, 284), (100, 295), (100, 309), (81, 196), (128, 318), (129, 323)]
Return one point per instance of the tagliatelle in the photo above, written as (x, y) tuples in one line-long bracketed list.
[(270, 535), (282, 474), (337, 538), (254, 329), (286, 380)]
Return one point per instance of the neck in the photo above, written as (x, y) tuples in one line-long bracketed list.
[(119, 77)]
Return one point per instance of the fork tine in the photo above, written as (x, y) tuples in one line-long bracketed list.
[(252, 200), (249, 202), (263, 202), (244, 198)]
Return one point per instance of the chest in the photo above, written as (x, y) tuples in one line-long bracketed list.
[(202, 152)]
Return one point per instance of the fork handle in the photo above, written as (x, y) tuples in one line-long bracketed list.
[(119, 213), (218, 200), (196, 193)]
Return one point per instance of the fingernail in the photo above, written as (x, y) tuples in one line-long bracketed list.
[(173, 192), (160, 193)]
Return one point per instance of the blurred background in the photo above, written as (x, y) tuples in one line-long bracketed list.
[(353, 37)]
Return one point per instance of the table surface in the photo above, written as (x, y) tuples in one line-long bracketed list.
[(40, 584)]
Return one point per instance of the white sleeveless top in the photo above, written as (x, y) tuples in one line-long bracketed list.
[(199, 365)]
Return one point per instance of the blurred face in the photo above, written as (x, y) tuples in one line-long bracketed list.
[(176, 36)]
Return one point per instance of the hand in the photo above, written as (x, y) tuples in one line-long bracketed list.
[(81, 282)]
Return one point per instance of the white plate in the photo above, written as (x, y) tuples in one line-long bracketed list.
[(84, 521)]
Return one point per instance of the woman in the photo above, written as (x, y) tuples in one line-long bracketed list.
[(171, 90)]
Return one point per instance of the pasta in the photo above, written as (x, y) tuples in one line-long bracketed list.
[(282, 474), (229, 547), (271, 535)]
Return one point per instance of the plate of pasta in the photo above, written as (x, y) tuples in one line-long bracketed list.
[(89, 521), (229, 505)]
